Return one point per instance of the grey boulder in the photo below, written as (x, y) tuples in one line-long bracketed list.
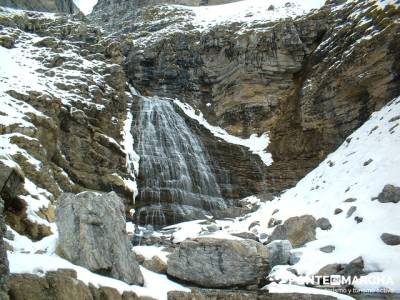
[(390, 239), (298, 230), (92, 234), (324, 224), (220, 263), (390, 193), (279, 252)]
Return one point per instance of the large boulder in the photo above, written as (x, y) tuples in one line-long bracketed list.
[(92, 234), (298, 230), (220, 263)]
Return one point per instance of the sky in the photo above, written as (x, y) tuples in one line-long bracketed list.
[(85, 6)]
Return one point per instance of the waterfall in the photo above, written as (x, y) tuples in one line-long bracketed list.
[(175, 179)]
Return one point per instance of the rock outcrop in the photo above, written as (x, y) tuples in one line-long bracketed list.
[(92, 234), (298, 230), (219, 263), (67, 127), (62, 6), (63, 285)]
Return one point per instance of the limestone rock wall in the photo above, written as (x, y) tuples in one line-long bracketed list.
[(70, 140), (309, 82)]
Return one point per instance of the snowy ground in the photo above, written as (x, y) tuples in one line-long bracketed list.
[(242, 15), (25, 259)]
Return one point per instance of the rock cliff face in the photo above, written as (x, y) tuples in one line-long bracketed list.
[(64, 120), (309, 82), (62, 6), (117, 15)]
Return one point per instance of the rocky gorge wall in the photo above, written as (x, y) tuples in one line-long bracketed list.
[(71, 137), (309, 81), (67, 138)]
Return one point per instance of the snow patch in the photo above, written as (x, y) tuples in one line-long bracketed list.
[(256, 144)]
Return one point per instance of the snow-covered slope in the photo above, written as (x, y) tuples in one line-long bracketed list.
[(85, 6), (360, 168), (169, 19), (249, 11)]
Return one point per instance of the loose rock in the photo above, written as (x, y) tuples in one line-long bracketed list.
[(389, 194), (390, 239)]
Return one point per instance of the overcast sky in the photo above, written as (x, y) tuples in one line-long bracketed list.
[(85, 6)]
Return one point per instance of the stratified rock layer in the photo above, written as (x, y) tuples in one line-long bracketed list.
[(92, 234), (309, 81)]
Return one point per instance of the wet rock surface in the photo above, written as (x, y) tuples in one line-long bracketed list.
[(220, 263), (92, 234)]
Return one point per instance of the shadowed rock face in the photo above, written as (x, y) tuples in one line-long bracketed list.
[(62, 6)]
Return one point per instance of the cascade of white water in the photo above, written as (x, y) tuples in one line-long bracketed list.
[(175, 178)]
